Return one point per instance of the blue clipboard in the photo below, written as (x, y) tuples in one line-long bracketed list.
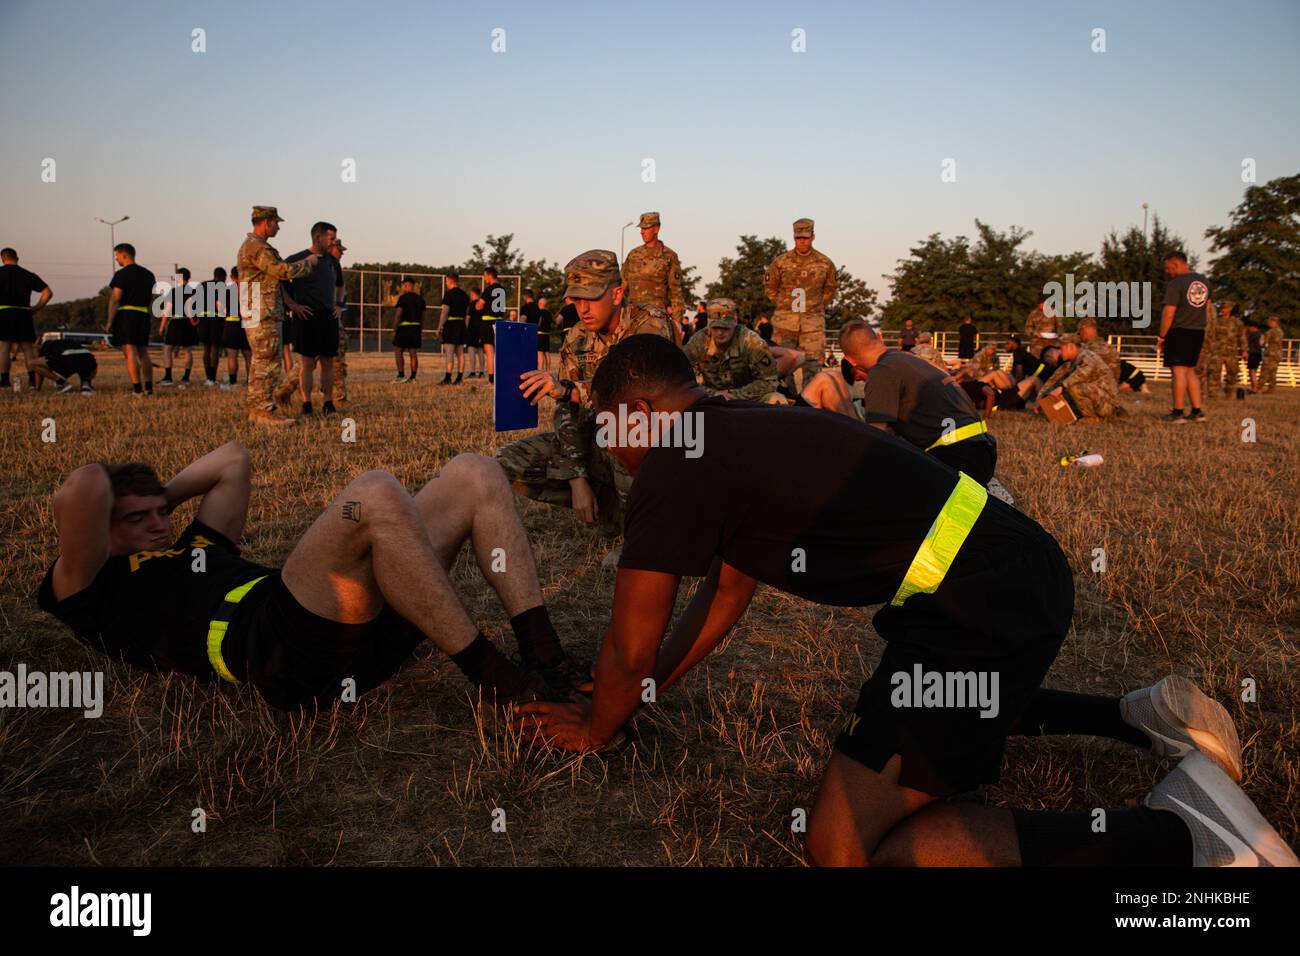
[(516, 353)]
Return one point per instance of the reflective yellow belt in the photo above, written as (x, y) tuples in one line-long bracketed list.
[(217, 628), (961, 434), (133, 308), (1037, 370), (27, 307), (232, 318), (947, 534), (408, 323), (1132, 373)]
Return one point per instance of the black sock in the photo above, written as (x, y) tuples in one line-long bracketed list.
[(306, 408), (137, 388), (328, 406), (536, 635), (232, 376), (167, 375), (210, 372), (1056, 712), (4, 379), (1176, 412), (1196, 410), (31, 379), (487, 667), (148, 386), (1133, 837), (185, 376)]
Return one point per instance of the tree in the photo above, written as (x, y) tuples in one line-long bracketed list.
[(689, 281), (1257, 252), (495, 251), (75, 315), (741, 278), (854, 299), (932, 285)]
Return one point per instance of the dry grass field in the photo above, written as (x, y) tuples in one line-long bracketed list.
[(1202, 543)]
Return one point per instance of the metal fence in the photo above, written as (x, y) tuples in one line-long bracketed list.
[(371, 297), (1138, 349)]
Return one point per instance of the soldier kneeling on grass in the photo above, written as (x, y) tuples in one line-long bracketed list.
[(1085, 381), (362, 588)]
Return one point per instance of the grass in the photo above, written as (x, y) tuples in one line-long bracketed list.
[(1202, 545)]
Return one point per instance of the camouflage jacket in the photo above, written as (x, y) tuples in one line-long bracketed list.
[(814, 273), (984, 362), (1087, 369), (1038, 323), (653, 276), (931, 354), (1235, 339), (745, 368), (580, 355), (259, 263), (1273, 344), (1106, 352)]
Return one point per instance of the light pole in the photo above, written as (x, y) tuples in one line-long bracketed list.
[(1146, 252), (621, 237), (112, 233)]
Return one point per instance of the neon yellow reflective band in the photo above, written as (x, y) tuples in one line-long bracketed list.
[(1134, 372), (27, 307), (217, 631), (939, 548), (408, 323), (1037, 370), (961, 434), (133, 308), (232, 318)]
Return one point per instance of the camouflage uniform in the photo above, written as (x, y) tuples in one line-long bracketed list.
[(341, 361), (744, 368), (805, 329), (1038, 323), (985, 362), (1231, 343), (931, 354), (653, 275), (1272, 358), (1209, 368), (1105, 351), (541, 466), (1090, 384), (261, 270)]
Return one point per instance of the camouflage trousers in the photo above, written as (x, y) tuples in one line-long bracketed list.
[(805, 331), (537, 470), (264, 372), (1219, 370), (1268, 374), (341, 367), (1094, 400)]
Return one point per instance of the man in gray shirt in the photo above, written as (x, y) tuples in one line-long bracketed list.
[(315, 329), (923, 405), (1182, 333)]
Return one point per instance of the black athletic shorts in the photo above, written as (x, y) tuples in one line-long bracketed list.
[(977, 456), (181, 332), (16, 325), (286, 331), (234, 336), (1183, 347), (130, 328), (543, 342), (453, 332), (210, 329), (1003, 609), (83, 366), (295, 658), (1254, 360), (487, 333), (408, 337), (318, 335), (473, 329)]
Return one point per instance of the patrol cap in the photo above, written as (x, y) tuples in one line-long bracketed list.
[(338, 244), (1087, 323), (1070, 338), (649, 219), (266, 212), (803, 228), (722, 313), (590, 275)]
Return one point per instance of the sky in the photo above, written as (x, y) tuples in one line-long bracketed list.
[(549, 138)]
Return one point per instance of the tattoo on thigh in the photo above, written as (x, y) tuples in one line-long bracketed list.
[(352, 511)]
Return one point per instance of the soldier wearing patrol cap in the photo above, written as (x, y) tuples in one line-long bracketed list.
[(731, 360), (566, 467), (261, 270), (1085, 381), (801, 284), (652, 273)]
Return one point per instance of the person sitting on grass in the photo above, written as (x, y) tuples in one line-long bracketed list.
[(361, 589), (975, 594)]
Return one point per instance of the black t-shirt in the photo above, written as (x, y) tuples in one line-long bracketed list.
[(316, 289), (966, 340), (568, 316), (17, 285), (753, 507), (764, 329), (1024, 364), (1254, 340), (919, 400), (457, 302), (907, 337), (1188, 293), (136, 283), (152, 608), (494, 301), (530, 312), (544, 321), (410, 307)]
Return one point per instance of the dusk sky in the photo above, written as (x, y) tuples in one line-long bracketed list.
[(452, 141)]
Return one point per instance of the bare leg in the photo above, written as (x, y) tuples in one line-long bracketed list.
[(854, 809), (327, 378), (1194, 387), (491, 352), (307, 365), (132, 368), (1180, 386), (5, 348)]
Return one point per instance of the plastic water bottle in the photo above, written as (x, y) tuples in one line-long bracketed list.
[(1087, 461)]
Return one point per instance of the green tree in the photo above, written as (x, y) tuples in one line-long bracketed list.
[(932, 285), (854, 299), (741, 278), (495, 251), (1256, 253), (690, 279)]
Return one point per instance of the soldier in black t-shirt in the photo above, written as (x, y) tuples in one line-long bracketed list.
[(545, 323), (966, 336), (978, 600), (61, 359), (494, 310), (180, 331), (16, 313), (129, 308), (363, 587), (451, 328), (408, 329)]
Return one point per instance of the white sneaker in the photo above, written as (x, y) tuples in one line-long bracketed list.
[(65, 388), (166, 383), (227, 387), (1179, 718), (611, 559), (1227, 829), (209, 383)]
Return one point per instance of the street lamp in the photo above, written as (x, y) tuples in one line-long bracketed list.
[(112, 233), (621, 237)]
